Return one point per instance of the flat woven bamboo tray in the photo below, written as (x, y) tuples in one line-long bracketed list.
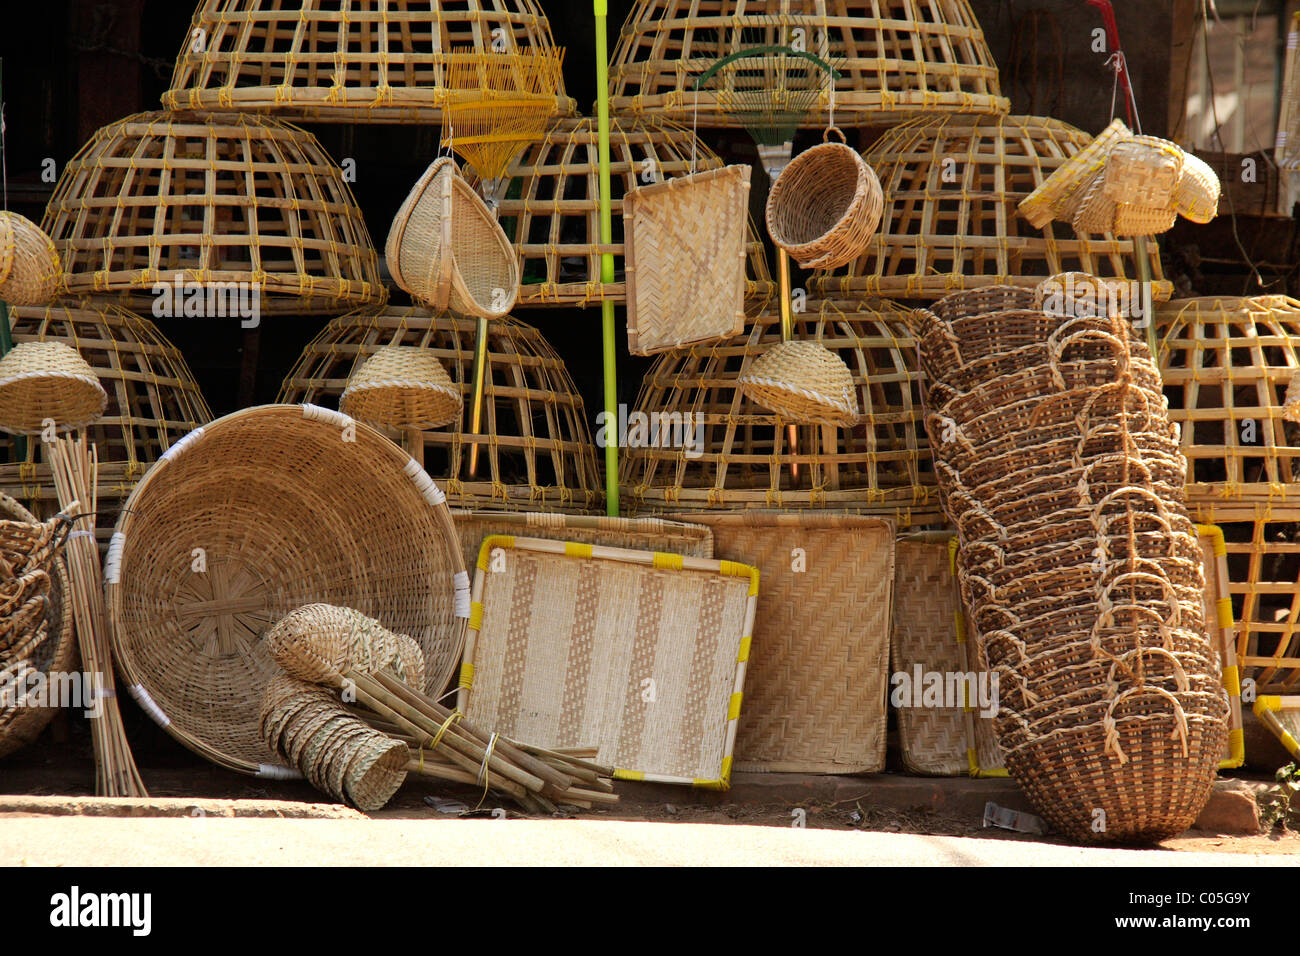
[(736, 454), (816, 685), (639, 653), (224, 203), (634, 534), (552, 212), (950, 223), (153, 402), (243, 521), (535, 450), (684, 241), (365, 63), (1227, 363), (895, 58)]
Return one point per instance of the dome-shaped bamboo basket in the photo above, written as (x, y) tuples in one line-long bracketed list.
[(30, 271), (402, 386), (214, 200), (153, 401), (535, 450), (47, 382), (892, 61), (286, 505), (1226, 365), (742, 458), (802, 382), (20, 726), (951, 187), (552, 212), (369, 63)]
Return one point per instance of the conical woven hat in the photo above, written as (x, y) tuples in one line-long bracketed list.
[(41, 381), (402, 386), (803, 382), (30, 271)]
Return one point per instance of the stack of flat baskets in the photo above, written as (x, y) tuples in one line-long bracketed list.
[(1079, 564)]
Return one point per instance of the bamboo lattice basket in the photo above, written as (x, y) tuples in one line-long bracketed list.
[(248, 518), (1227, 364), (367, 63), (685, 245), (30, 270), (56, 653), (952, 185), (153, 401), (552, 212), (535, 451), (634, 534), (881, 465), (639, 653), (813, 706), (894, 60), (212, 200)]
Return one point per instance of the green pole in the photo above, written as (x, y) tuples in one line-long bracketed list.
[(607, 262)]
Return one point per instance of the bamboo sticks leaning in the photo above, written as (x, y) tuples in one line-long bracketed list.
[(75, 466)]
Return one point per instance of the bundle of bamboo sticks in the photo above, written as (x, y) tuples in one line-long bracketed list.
[(75, 466)]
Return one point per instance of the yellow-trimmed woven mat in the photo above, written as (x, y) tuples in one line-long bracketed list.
[(639, 653), (815, 699)]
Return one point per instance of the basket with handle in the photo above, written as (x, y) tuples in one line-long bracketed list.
[(30, 270)]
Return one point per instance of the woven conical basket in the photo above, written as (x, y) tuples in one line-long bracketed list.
[(30, 272), (402, 387), (48, 381), (803, 382)]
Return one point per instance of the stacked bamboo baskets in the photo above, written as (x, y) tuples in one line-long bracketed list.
[(1079, 564), (539, 452), (370, 63), (1227, 364)]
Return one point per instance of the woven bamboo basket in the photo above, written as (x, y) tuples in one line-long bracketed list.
[(1099, 213), (402, 386), (813, 706), (30, 271), (639, 653), (1227, 364), (951, 186), (825, 207), (55, 653), (1059, 195), (47, 381), (248, 518), (634, 534), (1196, 197), (447, 250), (230, 204), (553, 214), (536, 452), (685, 250), (802, 382), (153, 401), (369, 63), (892, 59), (737, 455), (1143, 171)]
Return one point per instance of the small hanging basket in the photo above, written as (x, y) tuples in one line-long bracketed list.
[(40, 381), (447, 250), (1098, 214), (804, 383), (402, 386), (1143, 171), (1196, 197), (826, 206), (30, 271)]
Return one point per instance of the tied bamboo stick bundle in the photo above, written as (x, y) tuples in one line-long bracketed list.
[(75, 467)]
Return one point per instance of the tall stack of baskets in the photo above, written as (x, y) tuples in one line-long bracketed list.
[(1079, 564)]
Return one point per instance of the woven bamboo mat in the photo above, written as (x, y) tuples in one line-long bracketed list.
[(637, 534), (641, 654), (816, 697)]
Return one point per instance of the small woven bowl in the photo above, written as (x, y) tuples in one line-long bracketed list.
[(42, 381), (804, 383), (825, 206), (30, 271), (402, 386), (1196, 197)]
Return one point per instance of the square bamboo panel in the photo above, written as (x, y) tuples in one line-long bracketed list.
[(641, 654), (816, 699)]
